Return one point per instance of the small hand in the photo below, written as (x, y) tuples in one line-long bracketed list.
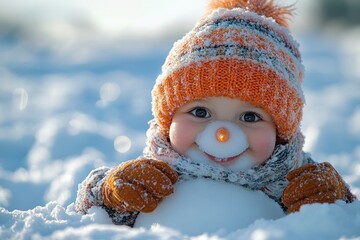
[(138, 185), (314, 183)]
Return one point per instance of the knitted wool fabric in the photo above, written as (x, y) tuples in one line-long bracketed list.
[(239, 54)]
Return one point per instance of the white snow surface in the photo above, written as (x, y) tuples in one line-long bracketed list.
[(53, 221), (65, 112)]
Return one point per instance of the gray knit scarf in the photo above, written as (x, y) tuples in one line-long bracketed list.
[(269, 177)]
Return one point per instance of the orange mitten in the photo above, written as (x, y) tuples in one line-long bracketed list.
[(138, 185), (314, 183)]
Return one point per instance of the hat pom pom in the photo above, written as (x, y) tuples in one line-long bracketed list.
[(268, 8)]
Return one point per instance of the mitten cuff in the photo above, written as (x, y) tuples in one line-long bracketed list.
[(89, 191), (122, 218), (349, 197)]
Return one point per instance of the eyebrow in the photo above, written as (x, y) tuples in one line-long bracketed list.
[(197, 101), (249, 105), (256, 106), (246, 104)]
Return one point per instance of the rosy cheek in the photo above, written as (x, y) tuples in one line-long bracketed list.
[(182, 136), (262, 144), (268, 148)]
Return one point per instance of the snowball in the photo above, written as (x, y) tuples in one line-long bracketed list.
[(206, 206)]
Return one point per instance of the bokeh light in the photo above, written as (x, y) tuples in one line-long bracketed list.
[(20, 98), (122, 144)]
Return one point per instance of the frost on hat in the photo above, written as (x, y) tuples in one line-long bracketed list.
[(239, 49)]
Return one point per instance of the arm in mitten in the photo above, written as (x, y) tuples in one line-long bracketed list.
[(89, 191), (138, 185), (314, 183)]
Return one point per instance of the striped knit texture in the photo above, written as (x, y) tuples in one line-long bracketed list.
[(237, 54)]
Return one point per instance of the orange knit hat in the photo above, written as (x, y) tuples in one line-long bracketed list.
[(240, 49)]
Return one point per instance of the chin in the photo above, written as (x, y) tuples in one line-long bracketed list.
[(242, 162)]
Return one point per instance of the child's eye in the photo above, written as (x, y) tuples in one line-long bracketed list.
[(200, 112), (250, 117)]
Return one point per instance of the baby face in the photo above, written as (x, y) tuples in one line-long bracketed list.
[(223, 131)]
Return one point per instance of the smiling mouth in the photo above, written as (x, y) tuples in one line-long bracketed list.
[(223, 160)]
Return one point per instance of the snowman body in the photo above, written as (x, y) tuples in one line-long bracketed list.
[(207, 206)]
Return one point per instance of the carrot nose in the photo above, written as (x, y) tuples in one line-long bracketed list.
[(222, 135)]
